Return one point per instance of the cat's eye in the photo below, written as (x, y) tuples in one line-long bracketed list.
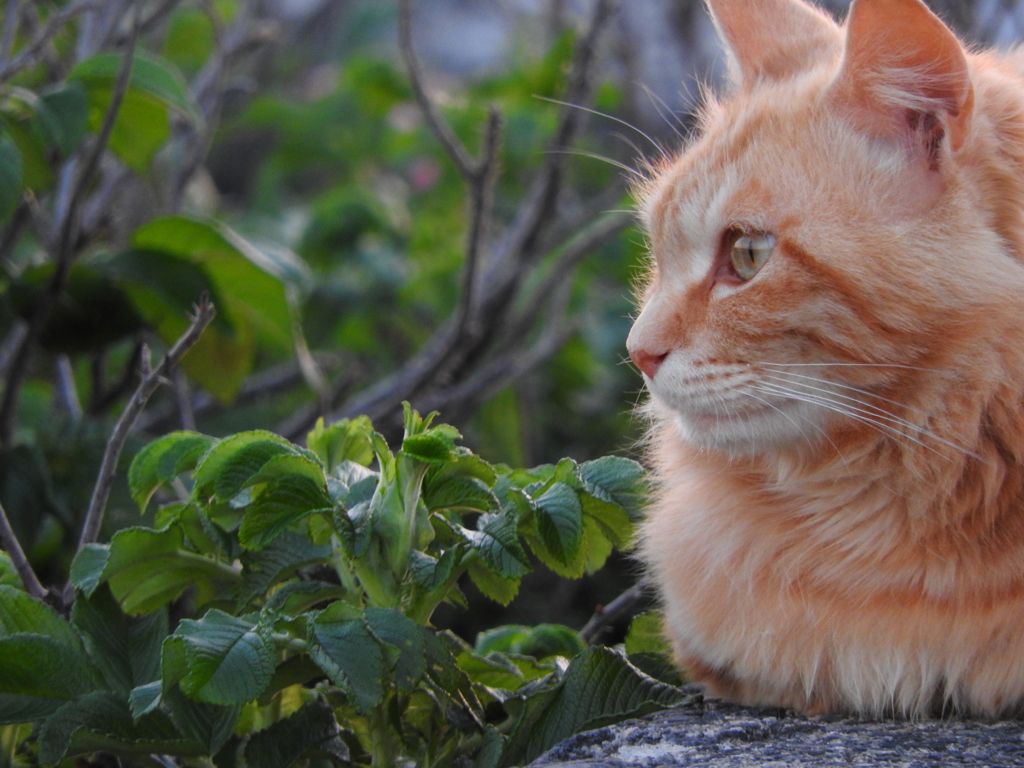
[(748, 253)]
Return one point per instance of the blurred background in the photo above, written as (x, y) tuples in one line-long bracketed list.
[(288, 134)]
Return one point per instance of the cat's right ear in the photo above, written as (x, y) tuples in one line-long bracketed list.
[(773, 39)]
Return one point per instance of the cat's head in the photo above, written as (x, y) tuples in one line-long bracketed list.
[(823, 251)]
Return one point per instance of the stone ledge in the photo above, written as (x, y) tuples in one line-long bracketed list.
[(719, 735)]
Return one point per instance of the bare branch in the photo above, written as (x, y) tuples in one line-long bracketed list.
[(27, 56), (12, 20), (465, 164), (581, 244), (617, 608), (66, 389), (204, 313), (457, 343), (17, 555)]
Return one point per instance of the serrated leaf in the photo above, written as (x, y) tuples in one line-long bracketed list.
[(102, 721), (311, 728), (559, 519), (449, 683), (209, 724), (230, 660), (618, 481), (600, 687), (352, 657), (497, 541), (282, 504), (163, 460), (432, 573), (126, 649), (261, 570), (295, 597), (614, 521), (226, 469), (459, 494), (39, 674), (430, 447), (22, 614), (491, 585), (590, 555), (147, 569), (394, 629)]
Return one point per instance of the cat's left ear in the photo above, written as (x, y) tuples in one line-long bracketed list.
[(903, 70)]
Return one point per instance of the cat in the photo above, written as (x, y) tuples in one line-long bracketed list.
[(832, 335)]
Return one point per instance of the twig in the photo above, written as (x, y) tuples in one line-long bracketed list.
[(465, 164), (66, 390), (617, 608), (64, 246), (12, 20), (204, 313), (26, 56), (17, 555)]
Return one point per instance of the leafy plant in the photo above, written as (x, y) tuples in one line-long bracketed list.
[(314, 579)]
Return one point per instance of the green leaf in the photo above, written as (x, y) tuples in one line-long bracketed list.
[(559, 518), (209, 724), (540, 642), (432, 573), (252, 298), (497, 541), (163, 460), (125, 649), (274, 563), (150, 73), (600, 687), (147, 569), (431, 447), (282, 504), (142, 124), (460, 494), (39, 674), (235, 461), (63, 114), (352, 657), (22, 614), (449, 683), (10, 176), (616, 480), (494, 587), (311, 728), (397, 631), (230, 660), (102, 721), (344, 440), (646, 634)]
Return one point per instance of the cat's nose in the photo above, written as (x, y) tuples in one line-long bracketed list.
[(648, 362)]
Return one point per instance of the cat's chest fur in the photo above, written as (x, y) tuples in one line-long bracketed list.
[(832, 333), (813, 600)]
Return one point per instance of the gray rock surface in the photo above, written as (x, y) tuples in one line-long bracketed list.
[(719, 735)]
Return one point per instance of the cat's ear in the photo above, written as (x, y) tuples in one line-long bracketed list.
[(903, 71), (773, 39)]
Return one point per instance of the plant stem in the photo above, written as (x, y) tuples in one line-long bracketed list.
[(384, 742), (13, 548)]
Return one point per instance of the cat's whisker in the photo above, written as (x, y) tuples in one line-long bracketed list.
[(873, 409), (795, 424), (851, 389), (878, 413), (661, 108), (858, 365), (596, 156), (605, 115), (859, 415)]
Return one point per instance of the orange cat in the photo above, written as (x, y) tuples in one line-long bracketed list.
[(833, 337)]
